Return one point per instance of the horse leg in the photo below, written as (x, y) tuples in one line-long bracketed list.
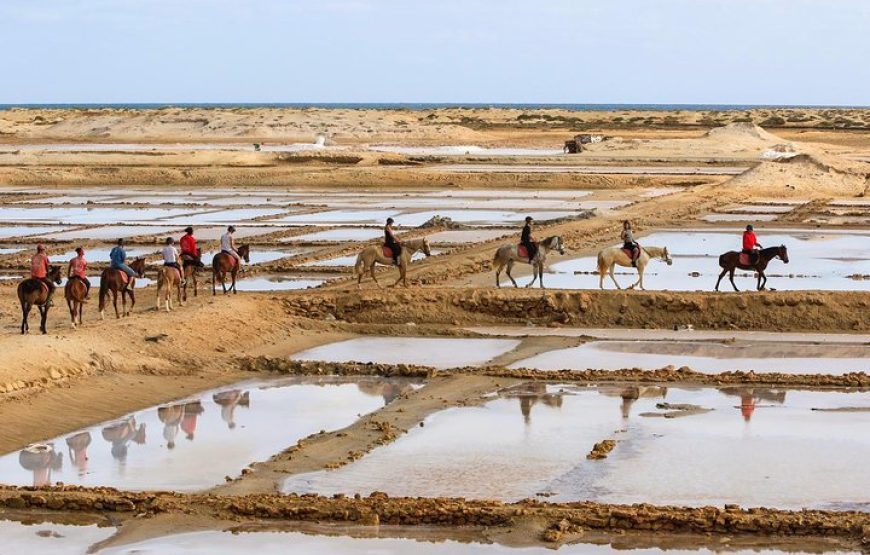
[(70, 304), (213, 282), (160, 284), (234, 272), (724, 271), (507, 271), (731, 277), (613, 278), (498, 274), (761, 285), (43, 318), (81, 307), (132, 301), (115, 304), (25, 312), (374, 278), (541, 275), (193, 278)]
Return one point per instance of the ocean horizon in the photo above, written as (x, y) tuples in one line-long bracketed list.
[(420, 106)]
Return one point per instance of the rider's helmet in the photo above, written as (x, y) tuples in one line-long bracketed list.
[(529, 219), (188, 230), (390, 221), (749, 227), (231, 229), (169, 240), (121, 241)]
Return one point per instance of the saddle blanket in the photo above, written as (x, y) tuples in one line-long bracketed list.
[(388, 252), (744, 259)]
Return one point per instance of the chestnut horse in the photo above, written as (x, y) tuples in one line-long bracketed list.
[(34, 292), (223, 264), (74, 292), (731, 261), (168, 278), (112, 282), (191, 270)]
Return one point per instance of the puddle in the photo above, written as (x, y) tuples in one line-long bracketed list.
[(278, 282), (338, 217), (67, 199), (465, 236), (8, 232), (818, 260), (706, 356), (112, 232), (466, 150), (759, 209), (46, 538), (77, 215), (231, 216), (101, 254), (5, 250), (192, 444), (257, 256), (756, 447), (242, 232), (351, 234), (425, 351), (480, 217), (747, 218)]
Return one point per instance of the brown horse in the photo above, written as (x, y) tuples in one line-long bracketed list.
[(74, 292), (112, 282), (191, 270), (168, 278), (34, 292), (731, 261), (222, 264)]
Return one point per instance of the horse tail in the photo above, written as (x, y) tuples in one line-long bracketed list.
[(358, 267), (602, 264), (104, 290)]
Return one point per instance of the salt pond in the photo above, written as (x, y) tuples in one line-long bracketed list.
[(756, 446), (193, 443)]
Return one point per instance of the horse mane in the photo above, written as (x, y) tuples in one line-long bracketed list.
[(549, 240), (771, 250)]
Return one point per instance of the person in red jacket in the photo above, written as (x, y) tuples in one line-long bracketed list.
[(190, 253), (751, 244)]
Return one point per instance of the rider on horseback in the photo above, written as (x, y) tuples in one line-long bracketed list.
[(628, 242), (751, 245), (191, 255), (171, 257), (391, 241), (118, 259), (39, 266), (527, 240), (77, 269), (228, 245)]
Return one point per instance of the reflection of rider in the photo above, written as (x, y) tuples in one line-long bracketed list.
[(77, 269), (188, 423), (121, 433), (751, 244), (39, 268), (228, 400), (78, 450), (191, 255), (118, 259), (391, 241), (41, 459), (628, 242), (527, 240), (171, 418)]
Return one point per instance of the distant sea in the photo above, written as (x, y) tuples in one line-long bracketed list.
[(420, 106)]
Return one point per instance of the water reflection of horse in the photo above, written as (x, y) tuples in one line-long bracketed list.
[(121, 433), (171, 417), (387, 390), (78, 450), (612, 256), (41, 459), (730, 261), (507, 255), (374, 254), (228, 401)]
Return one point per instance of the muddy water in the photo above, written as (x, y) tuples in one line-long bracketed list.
[(818, 260), (50, 539), (756, 446), (427, 351), (77, 215), (111, 233), (231, 216), (707, 356), (194, 443), (744, 218), (257, 256), (8, 232)]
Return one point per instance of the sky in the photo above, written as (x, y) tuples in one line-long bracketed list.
[(804, 52)]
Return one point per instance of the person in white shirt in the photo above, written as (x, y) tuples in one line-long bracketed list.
[(172, 258), (228, 244)]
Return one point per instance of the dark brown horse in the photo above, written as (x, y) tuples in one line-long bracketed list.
[(223, 264), (34, 292), (74, 292), (112, 282), (730, 261)]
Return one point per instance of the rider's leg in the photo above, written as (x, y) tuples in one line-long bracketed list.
[(87, 283), (51, 287)]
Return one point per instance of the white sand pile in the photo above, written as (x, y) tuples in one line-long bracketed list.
[(743, 132), (802, 175)]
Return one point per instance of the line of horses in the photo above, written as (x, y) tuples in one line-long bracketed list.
[(33, 292)]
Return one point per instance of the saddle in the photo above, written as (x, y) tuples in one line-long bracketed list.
[(388, 252), (523, 252), (125, 279), (747, 259)]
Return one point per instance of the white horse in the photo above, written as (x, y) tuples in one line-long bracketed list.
[(611, 256), (506, 255), (374, 254)]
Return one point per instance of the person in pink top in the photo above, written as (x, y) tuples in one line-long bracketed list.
[(39, 267), (78, 268)]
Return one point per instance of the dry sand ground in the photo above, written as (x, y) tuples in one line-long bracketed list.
[(58, 383)]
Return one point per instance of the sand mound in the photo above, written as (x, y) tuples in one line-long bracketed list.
[(743, 132), (802, 175)]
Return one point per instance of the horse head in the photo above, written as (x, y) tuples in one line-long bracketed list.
[(554, 243), (245, 252), (783, 253), (54, 274), (426, 250), (138, 266), (666, 256)]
